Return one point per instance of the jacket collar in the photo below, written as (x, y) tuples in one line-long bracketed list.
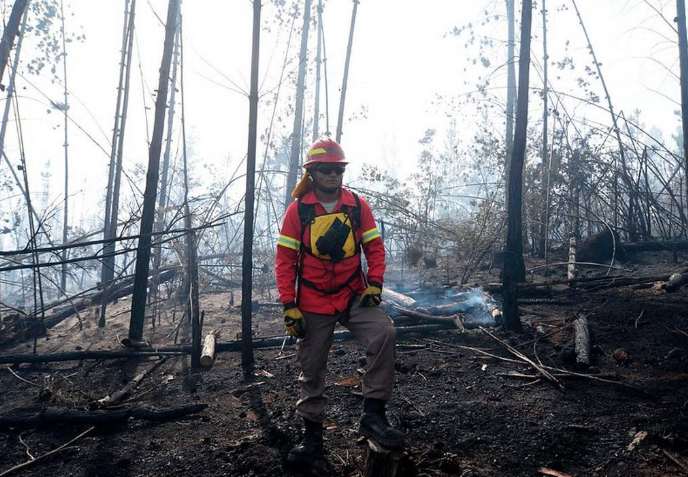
[(347, 198)]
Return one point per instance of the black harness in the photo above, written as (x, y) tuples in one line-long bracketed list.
[(307, 216)]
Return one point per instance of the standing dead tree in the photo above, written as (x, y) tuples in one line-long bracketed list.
[(511, 86), (65, 109), (116, 155), (143, 252), (683, 60), (296, 139), (514, 269), (340, 120), (247, 359), (10, 33)]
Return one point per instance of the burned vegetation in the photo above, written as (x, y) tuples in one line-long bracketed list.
[(535, 278)]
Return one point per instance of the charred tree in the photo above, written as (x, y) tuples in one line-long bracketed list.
[(318, 63), (298, 109), (510, 87), (247, 261), (193, 306), (164, 190), (10, 33), (683, 60), (65, 109), (342, 98), (8, 104), (542, 239), (116, 155), (143, 251), (514, 269)]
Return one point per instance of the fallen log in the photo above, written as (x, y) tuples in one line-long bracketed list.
[(127, 390), (81, 355), (268, 342), (582, 341), (398, 298), (53, 416), (622, 282), (208, 353), (667, 246)]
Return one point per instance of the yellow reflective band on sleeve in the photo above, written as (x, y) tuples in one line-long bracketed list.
[(289, 242), (313, 152), (370, 235)]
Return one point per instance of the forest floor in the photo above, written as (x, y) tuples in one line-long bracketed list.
[(462, 414)]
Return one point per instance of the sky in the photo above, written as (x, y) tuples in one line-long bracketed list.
[(404, 58)]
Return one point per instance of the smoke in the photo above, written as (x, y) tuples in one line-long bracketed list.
[(473, 303)]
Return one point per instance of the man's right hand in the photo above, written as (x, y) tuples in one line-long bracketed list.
[(294, 321)]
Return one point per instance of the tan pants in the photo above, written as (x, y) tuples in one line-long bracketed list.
[(373, 329)]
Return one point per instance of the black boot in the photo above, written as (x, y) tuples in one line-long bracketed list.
[(375, 426), (311, 446)]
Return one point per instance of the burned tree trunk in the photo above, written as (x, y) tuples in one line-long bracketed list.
[(10, 34), (318, 62), (511, 83), (115, 171), (342, 97), (683, 61), (65, 108), (138, 306), (514, 269), (247, 261), (542, 238), (298, 109), (582, 341), (164, 191)]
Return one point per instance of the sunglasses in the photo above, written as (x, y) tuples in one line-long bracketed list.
[(327, 170)]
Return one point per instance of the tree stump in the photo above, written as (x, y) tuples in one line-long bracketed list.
[(381, 461)]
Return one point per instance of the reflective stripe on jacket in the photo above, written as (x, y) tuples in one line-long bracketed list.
[(323, 273)]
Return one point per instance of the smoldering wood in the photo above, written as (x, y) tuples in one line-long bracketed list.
[(52, 416), (267, 342), (582, 341)]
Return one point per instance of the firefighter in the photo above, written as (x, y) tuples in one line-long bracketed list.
[(321, 282)]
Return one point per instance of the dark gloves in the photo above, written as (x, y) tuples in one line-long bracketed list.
[(294, 321), (371, 295)]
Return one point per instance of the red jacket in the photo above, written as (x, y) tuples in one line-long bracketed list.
[(331, 285)]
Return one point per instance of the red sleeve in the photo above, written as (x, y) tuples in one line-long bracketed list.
[(373, 247), (288, 247)]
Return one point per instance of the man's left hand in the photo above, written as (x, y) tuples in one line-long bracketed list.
[(371, 295)]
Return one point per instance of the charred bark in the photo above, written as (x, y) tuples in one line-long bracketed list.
[(138, 307), (296, 136), (514, 269), (247, 260), (342, 97)]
